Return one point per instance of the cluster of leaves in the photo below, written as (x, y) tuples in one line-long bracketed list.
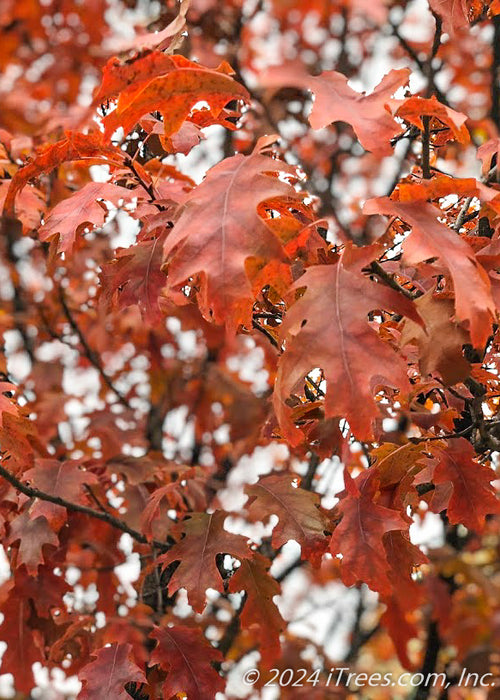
[(325, 294)]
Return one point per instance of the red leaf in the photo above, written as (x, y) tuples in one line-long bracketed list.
[(118, 75), (187, 656), (196, 553), (259, 609), (7, 404), (62, 479), (401, 629), (84, 209), (454, 14), (34, 533), (174, 94), (473, 497), (22, 649), (414, 108), (328, 328), (358, 537), (73, 146), (336, 101), (440, 344), (106, 677), (219, 230), (430, 238), (135, 277)]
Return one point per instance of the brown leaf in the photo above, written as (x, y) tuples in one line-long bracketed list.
[(299, 512)]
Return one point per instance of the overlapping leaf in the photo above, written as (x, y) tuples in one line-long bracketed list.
[(61, 479), (174, 93), (472, 497), (358, 537), (32, 533), (219, 232), (299, 512), (259, 608), (328, 328), (84, 209), (454, 14), (432, 239), (440, 344), (74, 146), (135, 277)]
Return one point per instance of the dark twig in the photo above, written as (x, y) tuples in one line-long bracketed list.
[(377, 269), (307, 480), (426, 148), (106, 517), (495, 74), (92, 356)]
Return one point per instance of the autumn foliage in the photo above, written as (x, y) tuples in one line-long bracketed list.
[(250, 286)]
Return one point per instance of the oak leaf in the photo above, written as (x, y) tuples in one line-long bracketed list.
[(22, 649), (299, 512), (84, 209), (454, 14), (472, 497), (259, 608), (414, 108), (33, 533), (135, 277), (328, 328), (74, 146), (336, 101), (187, 656), (358, 537), (61, 479), (204, 538), (107, 676), (174, 94), (219, 230), (432, 239), (440, 345)]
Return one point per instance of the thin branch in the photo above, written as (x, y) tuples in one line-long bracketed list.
[(430, 660), (92, 495), (462, 215), (426, 148), (92, 356), (377, 269), (446, 436), (315, 386), (422, 65), (106, 517), (307, 481), (495, 74), (265, 332)]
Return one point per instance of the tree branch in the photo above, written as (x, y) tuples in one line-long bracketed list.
[(89, 353), (105, 516)]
